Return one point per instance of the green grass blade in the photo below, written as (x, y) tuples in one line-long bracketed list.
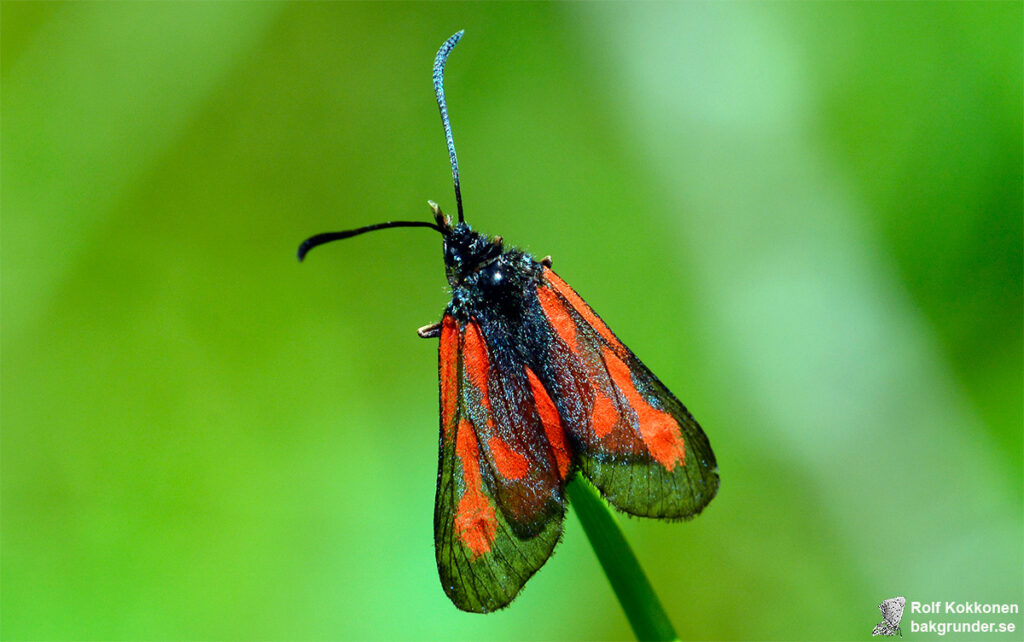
[(642, 607)]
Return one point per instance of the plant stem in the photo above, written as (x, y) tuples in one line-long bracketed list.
[(638, 600)]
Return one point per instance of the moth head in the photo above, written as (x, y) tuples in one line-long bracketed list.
[(470, 256)]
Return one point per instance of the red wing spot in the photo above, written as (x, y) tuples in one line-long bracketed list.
[(510, 464), (581, 307), (659, 430), (604, 416), (449, 356), (474, 360), (557, 315), (475, 522), (552, 424)]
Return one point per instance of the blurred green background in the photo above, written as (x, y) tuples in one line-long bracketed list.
[(805, 218)]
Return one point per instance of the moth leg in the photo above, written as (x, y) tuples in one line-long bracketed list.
[(431, 331), (546, 261)]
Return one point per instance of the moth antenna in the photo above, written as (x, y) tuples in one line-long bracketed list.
[(327, 237), (439, 60)]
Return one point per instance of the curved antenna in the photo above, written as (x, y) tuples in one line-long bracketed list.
[(327, 237), (442, 57)]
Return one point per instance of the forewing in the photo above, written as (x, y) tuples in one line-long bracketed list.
[(631, 437), (499, 507), (892, 610)]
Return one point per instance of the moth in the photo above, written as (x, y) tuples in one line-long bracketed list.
[(535, 388), (892, 613)]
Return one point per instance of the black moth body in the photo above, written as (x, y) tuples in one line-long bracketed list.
[(535, 388)]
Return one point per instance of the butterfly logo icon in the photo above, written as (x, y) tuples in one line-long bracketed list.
[(892, 613)]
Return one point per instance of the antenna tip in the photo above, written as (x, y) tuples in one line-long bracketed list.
[(442, 53)]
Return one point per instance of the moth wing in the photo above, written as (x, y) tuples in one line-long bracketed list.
[(632, 438), (892, 610), (499, 509)]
